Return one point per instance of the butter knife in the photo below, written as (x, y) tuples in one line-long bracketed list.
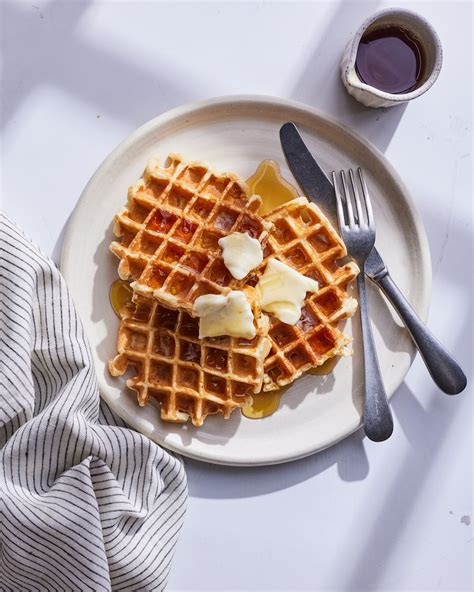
[(444, 369)]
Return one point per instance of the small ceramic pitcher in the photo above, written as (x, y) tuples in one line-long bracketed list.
[(417, 27)]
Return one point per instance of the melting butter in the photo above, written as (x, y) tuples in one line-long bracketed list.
[(225, 315), (241, 253), (282, 291)]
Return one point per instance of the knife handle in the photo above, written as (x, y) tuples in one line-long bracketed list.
[(444, 369)]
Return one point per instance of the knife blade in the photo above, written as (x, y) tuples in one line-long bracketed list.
[(443, 368), (318, 188), (307, 171)]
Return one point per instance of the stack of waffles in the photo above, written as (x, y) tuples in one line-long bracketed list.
[(168, 249)]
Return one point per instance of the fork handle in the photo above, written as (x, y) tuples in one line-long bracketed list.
[(378, 422), (443, 368)]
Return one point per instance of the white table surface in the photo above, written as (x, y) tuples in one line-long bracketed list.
[(80, 76)]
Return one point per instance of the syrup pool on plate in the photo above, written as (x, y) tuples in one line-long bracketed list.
[(263, 404), (271, 186), (266, 404), (325, 368), (120, 294)]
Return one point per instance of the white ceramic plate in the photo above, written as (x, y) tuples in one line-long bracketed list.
[(236, 133)]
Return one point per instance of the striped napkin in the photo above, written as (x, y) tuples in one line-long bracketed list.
[(85, 502)]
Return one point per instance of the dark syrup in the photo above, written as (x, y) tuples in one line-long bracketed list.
[(390, 59)]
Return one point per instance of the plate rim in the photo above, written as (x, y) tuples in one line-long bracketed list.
[(257, 100)]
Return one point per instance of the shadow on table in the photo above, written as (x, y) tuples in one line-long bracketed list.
[(58, 245), (319, 83), (235, 482), (425, 429), (64, 59), (100, 77)]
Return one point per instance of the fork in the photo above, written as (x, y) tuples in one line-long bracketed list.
[(358, 232)]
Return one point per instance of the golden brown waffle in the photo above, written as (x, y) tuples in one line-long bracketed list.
[(169, 230), (303, 238), (186, 376)]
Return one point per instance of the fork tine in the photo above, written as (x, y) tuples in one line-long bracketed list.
[(368, 204), (360, 210), (339, 204), (347, 196)]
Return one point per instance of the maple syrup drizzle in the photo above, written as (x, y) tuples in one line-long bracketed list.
[(120, 294), (264, 404), (271, 186), (274, 191), (325, 368)]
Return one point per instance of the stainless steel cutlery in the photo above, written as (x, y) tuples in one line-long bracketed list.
[(443, 368)]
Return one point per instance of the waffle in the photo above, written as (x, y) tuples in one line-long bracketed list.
[(186, 376), (303, 238), (170, 229)]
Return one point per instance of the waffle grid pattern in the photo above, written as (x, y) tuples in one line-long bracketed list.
[(187, 377), (171, 226), (303, 238)]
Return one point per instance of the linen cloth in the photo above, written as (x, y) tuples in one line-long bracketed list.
[(85, 502)]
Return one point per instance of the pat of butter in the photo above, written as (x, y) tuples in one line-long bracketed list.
[(225, 315), (241, 253), (282, 291)]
